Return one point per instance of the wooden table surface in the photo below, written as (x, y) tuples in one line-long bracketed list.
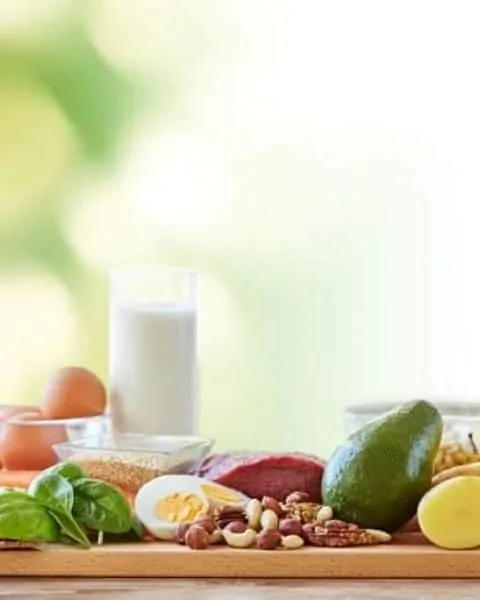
[(195, 589)]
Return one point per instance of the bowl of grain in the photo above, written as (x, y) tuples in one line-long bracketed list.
[(129, 460), (461, 427)]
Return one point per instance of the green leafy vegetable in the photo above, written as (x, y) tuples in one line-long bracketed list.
[(23, 518), (10, 495), (62, 505), (137, 528), (69, 470), (134, 534), (53, 491), (56, 494), (70, 528), (100, 507)]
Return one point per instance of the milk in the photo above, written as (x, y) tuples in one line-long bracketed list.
[(153, 369)]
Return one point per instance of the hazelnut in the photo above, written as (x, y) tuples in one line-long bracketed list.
[(269, 503), (268, 539), (290, 527), (236, 527), (297, 497), (206, 522), (182, 532), (197, 538)]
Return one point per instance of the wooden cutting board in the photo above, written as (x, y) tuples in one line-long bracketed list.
[(410, 557)]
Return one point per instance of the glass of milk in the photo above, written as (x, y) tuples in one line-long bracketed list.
[(153, 351)]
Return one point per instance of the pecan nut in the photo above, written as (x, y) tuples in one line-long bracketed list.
[(338, 534), (224, 515)]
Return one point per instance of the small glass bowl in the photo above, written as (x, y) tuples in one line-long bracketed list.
[(129, 460), (461, 427), (27, 445)]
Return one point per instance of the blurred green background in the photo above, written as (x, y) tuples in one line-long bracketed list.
[(315, 161)]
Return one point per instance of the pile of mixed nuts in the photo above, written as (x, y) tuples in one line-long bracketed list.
[(268, 524)]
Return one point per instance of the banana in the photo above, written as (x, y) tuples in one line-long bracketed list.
[(469, 469)]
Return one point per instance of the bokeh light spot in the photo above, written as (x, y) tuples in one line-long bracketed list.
[(102, 227), (155, 35), (17, 15), (179, 180), (130, 34), (38, 331), (36, 145)]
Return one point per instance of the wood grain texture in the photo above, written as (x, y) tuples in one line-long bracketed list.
[(408, 558), (219, 589)]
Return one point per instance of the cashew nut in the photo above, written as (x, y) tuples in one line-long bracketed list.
[(382, 537), (269, 519), (324, 514), (254, 512), (292, 542), (216, 537), (240, 540)]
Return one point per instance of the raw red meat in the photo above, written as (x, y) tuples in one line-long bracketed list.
[(259, 474)]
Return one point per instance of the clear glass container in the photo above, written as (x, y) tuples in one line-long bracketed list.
[(130, 460), (153, 376), (461, 428), (27, 445)]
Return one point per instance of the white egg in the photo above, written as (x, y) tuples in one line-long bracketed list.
[(167, 501), (220, 495)]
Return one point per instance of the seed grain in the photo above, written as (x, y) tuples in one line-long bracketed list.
[(128, 471)]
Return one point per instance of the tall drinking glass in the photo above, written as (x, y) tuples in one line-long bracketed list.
[(153, 351)]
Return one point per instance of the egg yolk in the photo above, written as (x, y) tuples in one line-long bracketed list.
[(179, 508), (218, 494)]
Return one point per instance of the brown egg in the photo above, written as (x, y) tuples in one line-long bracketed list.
[(73, 392), (29, 448)]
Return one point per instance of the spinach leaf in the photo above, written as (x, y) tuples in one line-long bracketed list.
[(24, 518), (134, 534), (69, 470), (69, 528), (11, 495), (56, 494), (53, 491), (100, 507), (137, 529)]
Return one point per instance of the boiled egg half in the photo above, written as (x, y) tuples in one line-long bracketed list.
[(170, 500)]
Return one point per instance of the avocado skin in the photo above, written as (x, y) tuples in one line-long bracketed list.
[(378, 476)]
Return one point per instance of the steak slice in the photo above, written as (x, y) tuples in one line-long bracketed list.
[(259, 474)]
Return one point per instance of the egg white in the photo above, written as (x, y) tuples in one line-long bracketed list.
[(234, 496), (157, 489)]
